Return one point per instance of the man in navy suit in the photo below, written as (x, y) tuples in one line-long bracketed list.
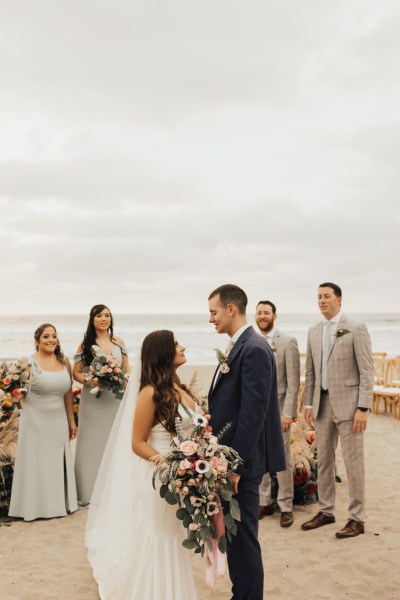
[(245, 395)]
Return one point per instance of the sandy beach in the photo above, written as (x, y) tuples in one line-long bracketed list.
[(46, 559)]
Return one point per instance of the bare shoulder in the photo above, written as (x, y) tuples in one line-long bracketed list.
[(119, 341), (80, 348), (146, 393)]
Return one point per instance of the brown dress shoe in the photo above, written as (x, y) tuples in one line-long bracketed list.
[(351, 529), (318, 521), (265, 511), (286, 519)]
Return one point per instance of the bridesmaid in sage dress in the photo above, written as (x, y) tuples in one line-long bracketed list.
[(96, 415), (44, 481)]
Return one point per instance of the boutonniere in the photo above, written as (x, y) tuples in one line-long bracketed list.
[(222, 361), (341, 332), (273, 347)]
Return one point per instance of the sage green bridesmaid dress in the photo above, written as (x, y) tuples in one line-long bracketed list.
[(44, 481), (96, 417)]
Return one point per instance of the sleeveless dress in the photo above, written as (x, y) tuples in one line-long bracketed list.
[(44, 482), (157, 567), (96, 417)]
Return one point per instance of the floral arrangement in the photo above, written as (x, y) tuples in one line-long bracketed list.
[(14, 381), (8, 445), (195, 476), (76, 402), (105, 373), (222, 361), (305, 471)]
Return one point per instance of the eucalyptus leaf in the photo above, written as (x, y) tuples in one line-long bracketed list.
[(181, 513), (234, 509), (228, 520), (222, 544), (171, 498), (204, 533), (189, 544), (187, 519), (226, 495)]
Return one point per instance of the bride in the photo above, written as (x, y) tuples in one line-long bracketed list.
[(133, 536)]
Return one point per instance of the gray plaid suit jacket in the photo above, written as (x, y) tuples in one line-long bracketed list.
[(287, 359), (350, 369)]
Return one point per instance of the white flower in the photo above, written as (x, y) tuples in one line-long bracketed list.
[(212, 508), (199, 420), (224, 368), (94, 390), (95, 348), (202, 466)]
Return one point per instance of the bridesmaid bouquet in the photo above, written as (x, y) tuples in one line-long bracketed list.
[(105, 374), (13, 387), (195, 476)]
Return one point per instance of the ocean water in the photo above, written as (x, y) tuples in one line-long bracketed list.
[(193, 331)]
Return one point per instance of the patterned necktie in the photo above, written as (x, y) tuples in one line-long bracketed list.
[(229, 348), (325, 353)]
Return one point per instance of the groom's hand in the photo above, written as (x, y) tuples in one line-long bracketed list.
[(235, 482)]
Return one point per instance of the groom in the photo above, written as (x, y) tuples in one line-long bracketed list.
[(246, 396)]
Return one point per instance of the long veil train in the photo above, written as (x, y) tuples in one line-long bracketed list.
[(110, 530)]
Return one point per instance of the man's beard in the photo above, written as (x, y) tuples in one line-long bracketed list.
[(265, 327)]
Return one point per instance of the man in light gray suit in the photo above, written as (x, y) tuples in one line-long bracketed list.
[(337, 396), (287, 359)]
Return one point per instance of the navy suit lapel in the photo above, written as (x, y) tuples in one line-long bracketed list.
[(233, 354)]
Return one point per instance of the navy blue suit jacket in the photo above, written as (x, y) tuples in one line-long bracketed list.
[(247, 397)]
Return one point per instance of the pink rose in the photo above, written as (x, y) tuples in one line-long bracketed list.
[(104, 369), (188, 447), (184, 464), (7, 380), (214, 462), (193, 527), (221, 468), (207, 435)]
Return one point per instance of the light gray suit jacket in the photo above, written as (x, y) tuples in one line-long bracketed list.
[(350, 369), (287, 360)]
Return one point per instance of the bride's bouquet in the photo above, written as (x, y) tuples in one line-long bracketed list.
[(195, 476), (13, 386), (105, 374)]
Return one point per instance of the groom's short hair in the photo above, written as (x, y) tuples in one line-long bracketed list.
[(334, 287), (231, 294)]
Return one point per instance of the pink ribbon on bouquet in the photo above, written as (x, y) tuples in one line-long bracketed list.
[(215, 559)]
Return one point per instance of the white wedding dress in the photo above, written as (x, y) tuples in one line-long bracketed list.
[(135, 542)]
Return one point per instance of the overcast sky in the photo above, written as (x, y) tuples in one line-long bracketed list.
[(152, 150)]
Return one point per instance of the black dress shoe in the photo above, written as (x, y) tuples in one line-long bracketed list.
[(286, 519), (265, 511), (318, 521), (351, 529)]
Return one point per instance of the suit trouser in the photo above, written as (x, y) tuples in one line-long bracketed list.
[(244, 553), (285, 481), (327, 431)]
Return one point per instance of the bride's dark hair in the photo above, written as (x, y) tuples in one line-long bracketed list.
[(158, 353), (89, 338)]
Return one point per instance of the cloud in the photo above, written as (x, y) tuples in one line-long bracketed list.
[(153, 151)]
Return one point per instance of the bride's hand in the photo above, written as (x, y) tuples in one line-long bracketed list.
[(158, 459)]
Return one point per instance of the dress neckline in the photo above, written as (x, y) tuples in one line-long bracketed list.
[(47, 370)]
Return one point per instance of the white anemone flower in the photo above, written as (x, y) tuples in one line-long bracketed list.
[(202, 466), (199, 420)]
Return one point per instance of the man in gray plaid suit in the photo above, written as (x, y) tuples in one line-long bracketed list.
[(337, 396)]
